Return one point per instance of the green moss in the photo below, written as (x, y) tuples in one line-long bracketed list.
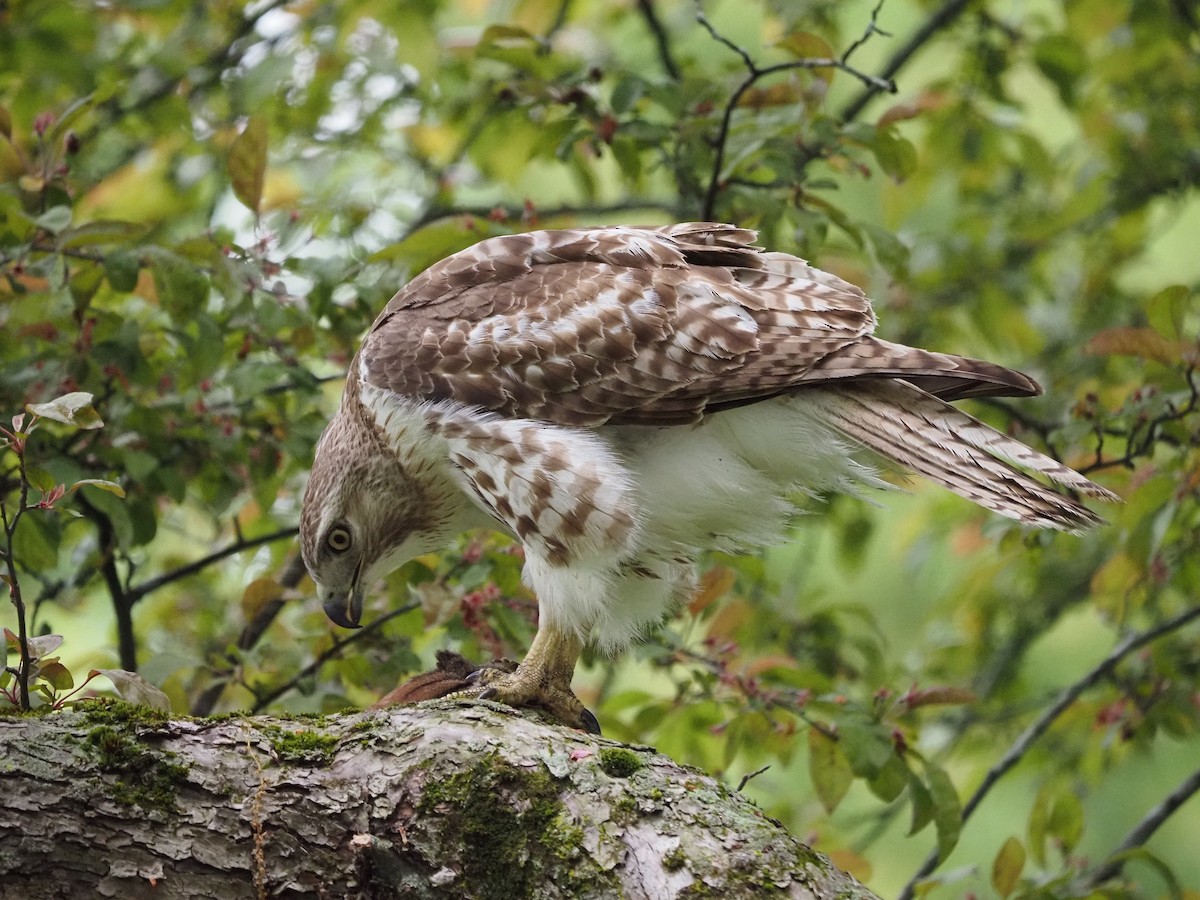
[(121, 715), (676, 859), (145, 777), (510, 831), (300, 745), (619, 762)]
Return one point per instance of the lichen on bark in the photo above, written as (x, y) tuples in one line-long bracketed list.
[(443, 799)]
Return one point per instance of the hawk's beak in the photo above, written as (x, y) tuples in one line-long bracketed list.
[(345, 607)]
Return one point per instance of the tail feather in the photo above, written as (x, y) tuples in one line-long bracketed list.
[(919, 431)]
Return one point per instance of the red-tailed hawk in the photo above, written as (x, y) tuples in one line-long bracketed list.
[(620, 400)]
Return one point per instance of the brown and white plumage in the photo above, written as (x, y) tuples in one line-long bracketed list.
[(621, 399)]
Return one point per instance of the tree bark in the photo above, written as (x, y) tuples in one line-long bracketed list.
[(446, 799)]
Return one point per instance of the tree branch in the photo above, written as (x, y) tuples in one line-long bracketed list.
[(240, 544), (293, 574), (445, 799), (757, 73), (940, 18), (262, 701), (650, 14), (1037, 728), (122, 602), (1142, 832)]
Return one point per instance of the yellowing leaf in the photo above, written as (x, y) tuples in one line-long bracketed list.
[(281, 190), (258, 594), (1006, 868), (714, 584), (248, 163), (806, 45), (1144, 343), (142, 190), (849, 861), (111, 486)]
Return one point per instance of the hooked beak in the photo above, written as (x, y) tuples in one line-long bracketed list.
[(345, 607)]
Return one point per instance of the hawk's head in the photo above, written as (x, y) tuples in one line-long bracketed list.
[(361, 517)]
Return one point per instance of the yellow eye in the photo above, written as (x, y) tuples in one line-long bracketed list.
[(338, 539)]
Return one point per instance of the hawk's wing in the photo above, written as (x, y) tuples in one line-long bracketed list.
[(639, 325)]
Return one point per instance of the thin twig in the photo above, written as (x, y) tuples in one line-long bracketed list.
[(1037, 728), (756, 73), (941, 17), (261, 701), (871, 29), (1141, 832), (746, 778), (153, 584), (434, 213)]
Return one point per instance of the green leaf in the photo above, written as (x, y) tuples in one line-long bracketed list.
[(891, 780), (828, 768), (947, 811), (74, 408), (425, 246), (248, 163), (1167, 310), (182, 288), (867, 745), (55, 219), (121, 267), (896, 155), (1065, 822), (40, 479), (56, 675), (627, 91), (922, 804), (1007, 866), (1063, 61), (35, 547), (101, 232)]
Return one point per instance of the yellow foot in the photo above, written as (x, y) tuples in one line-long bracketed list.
[(527, 686), (542, 679)]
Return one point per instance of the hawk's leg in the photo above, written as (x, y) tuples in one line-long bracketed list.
[(543, 679)]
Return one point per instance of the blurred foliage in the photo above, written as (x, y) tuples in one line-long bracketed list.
[(202, 206)]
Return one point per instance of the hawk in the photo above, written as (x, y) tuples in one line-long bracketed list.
[(620, 400)]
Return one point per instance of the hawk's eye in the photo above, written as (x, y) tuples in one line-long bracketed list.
[(338, 539)]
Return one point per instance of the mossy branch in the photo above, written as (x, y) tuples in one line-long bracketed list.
[(441, 799)]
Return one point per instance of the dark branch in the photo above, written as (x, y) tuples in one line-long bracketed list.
[(122, 601), (941, 17), (1037, 728), (262, 701), (757, 73), (1144, 829), (153, 584), (293, 573), (434, 213), (650, 14)]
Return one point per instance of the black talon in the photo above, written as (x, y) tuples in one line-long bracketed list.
[(590, 723)]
